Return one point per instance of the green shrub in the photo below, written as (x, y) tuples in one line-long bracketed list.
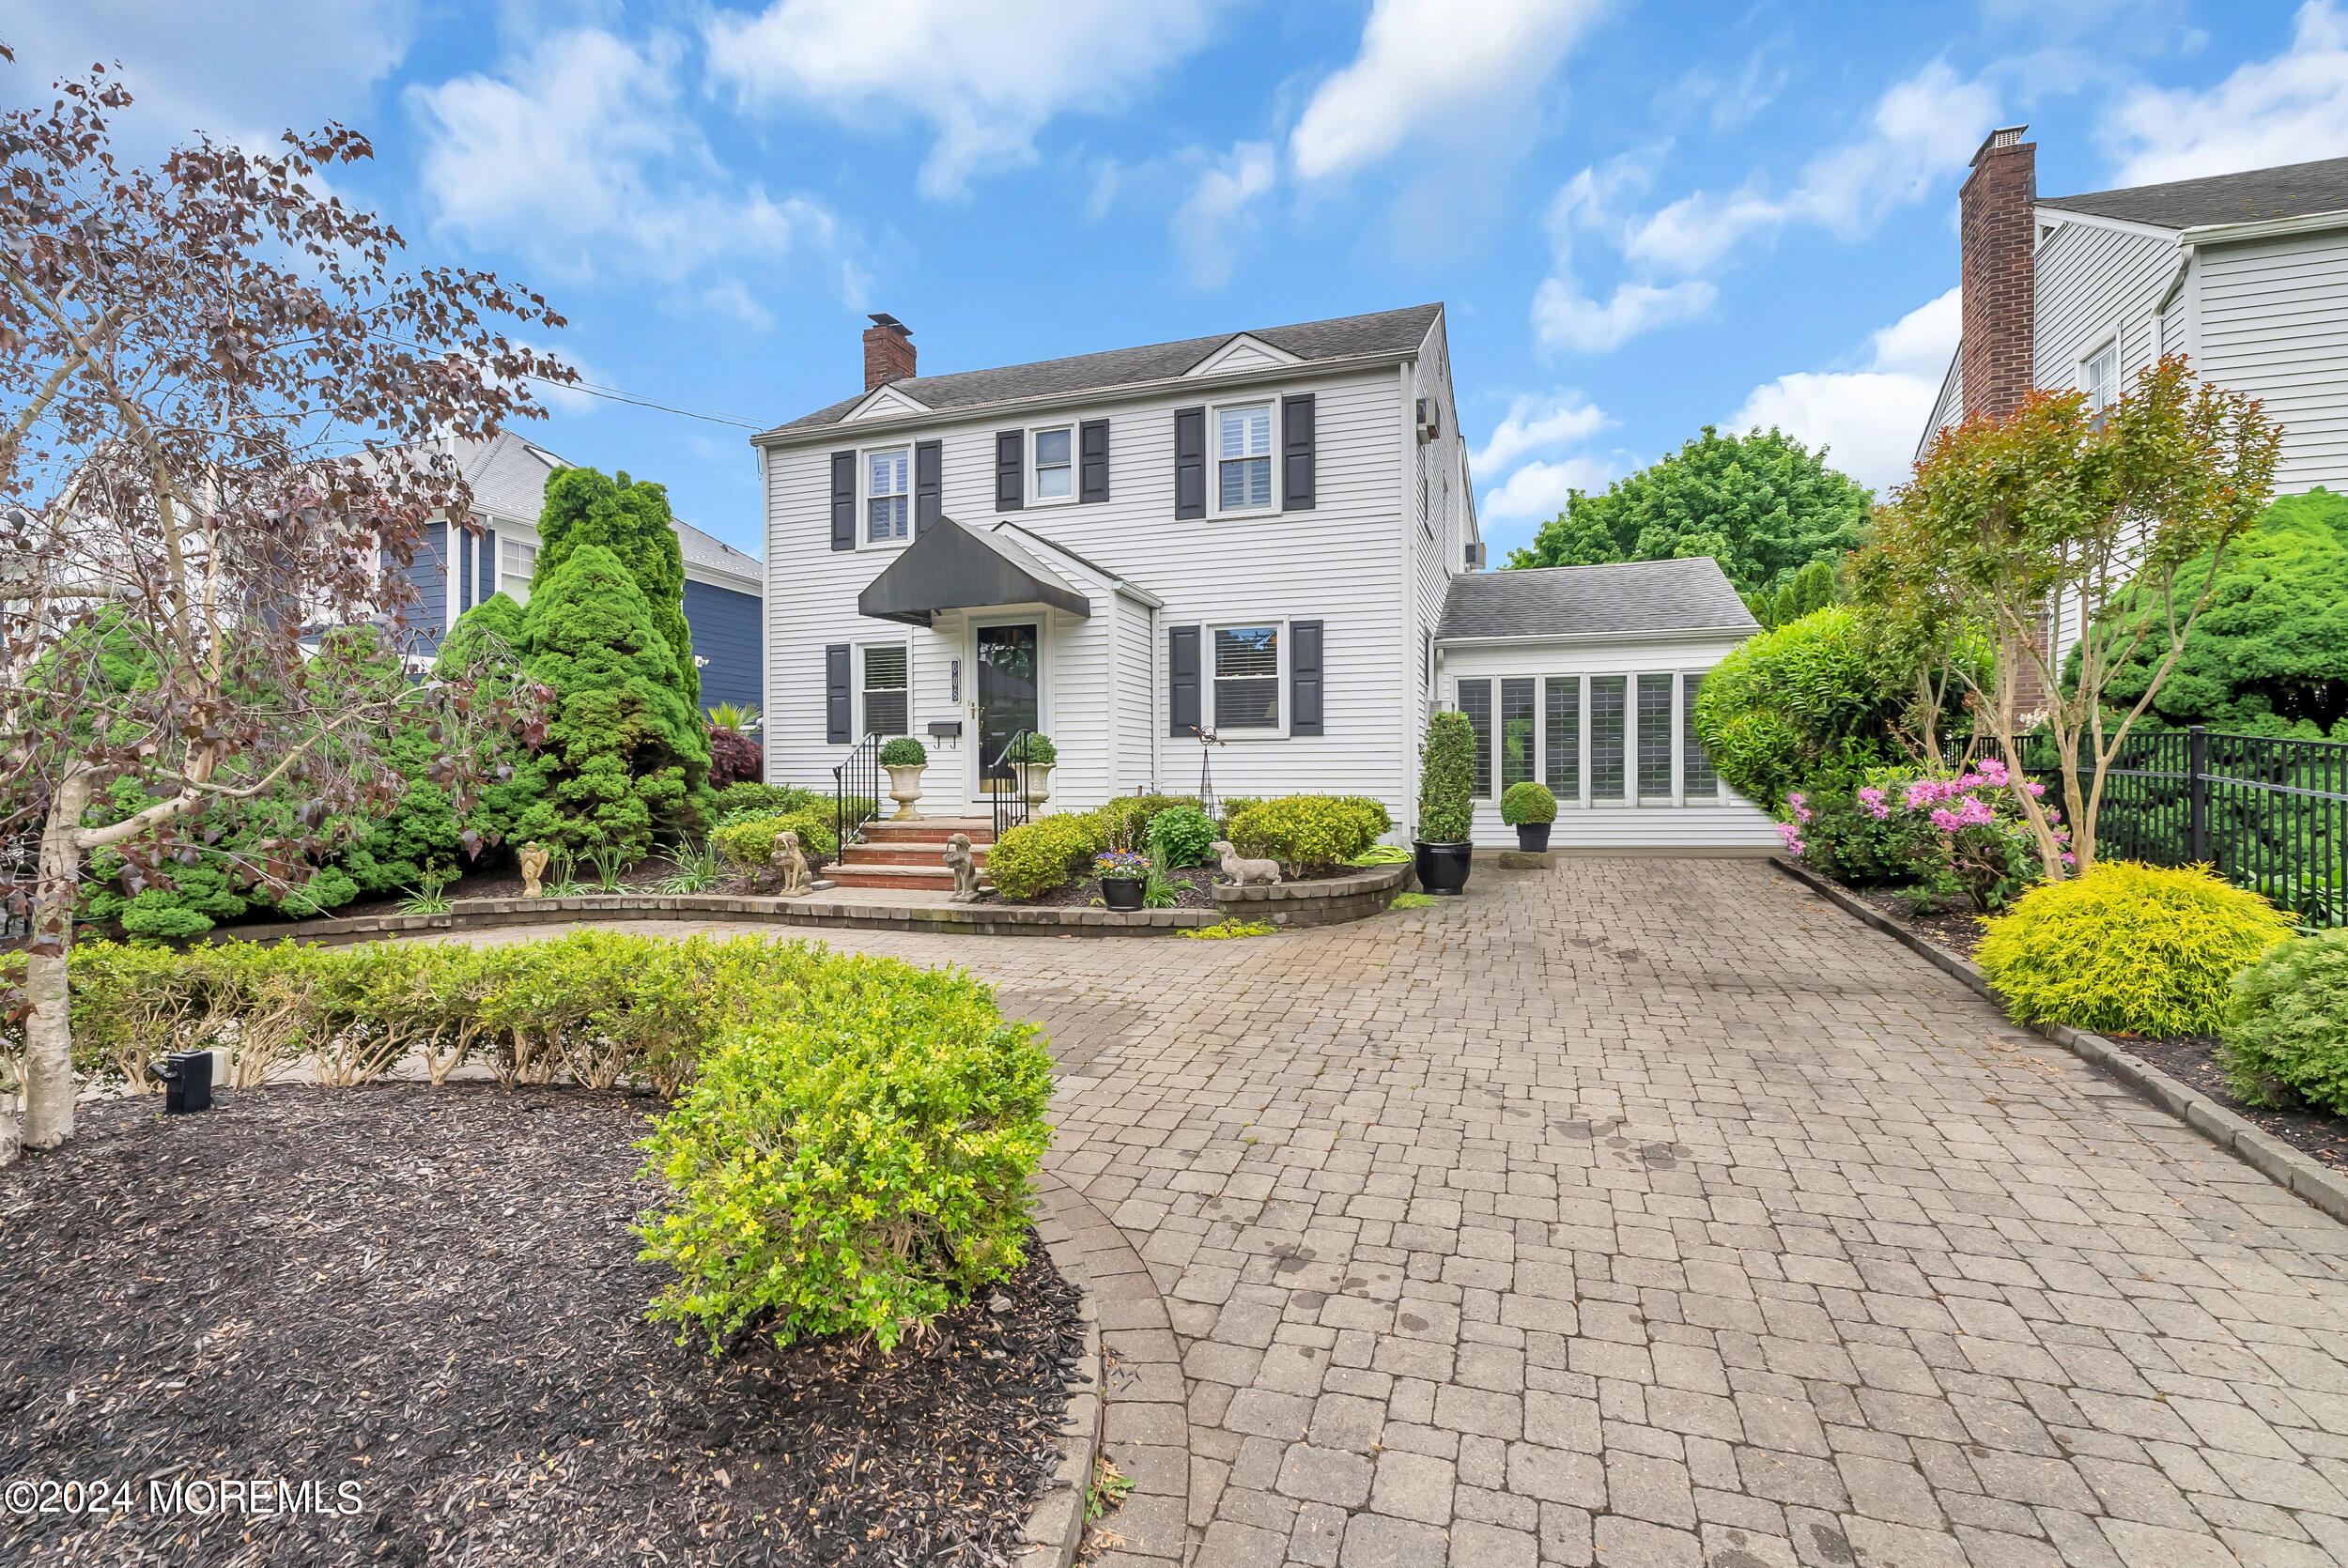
[(2128, 948), (854, 1162), (760, 800), (2285, 1037), (1181, 835), (1130, 817), (1527, 802), (1035, 857), (1033, 748), (748, 844), (1798, 708), (1446, 780), (904, 752), (1307, 833)]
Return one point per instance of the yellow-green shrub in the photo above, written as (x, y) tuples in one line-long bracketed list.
[(1307, 833), (2286, 1025), (2128, 948), (748, 844), (1035, 857), (1129, 816), (853, 1161)]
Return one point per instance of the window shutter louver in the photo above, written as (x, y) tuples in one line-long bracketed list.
[(1296, 444), (843, 500), (1182, 690), (1305, 681), (488, 564), (1190, 462), (929, 477), (1011, 474), (1092, 441), (837, 716)]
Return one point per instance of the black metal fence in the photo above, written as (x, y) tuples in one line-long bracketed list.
[(2269, 814)]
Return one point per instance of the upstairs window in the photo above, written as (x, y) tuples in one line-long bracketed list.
[(1244, 457), (884, 705), (2102, 375), (518, 563), (888, 494), (1247, 678), (1054, 465)]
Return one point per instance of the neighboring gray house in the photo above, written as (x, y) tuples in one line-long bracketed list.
[(724, 588), (1269, 534)]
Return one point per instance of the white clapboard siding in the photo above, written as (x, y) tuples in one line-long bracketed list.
[(2092, 282), (2275, 324), (1137, 698)]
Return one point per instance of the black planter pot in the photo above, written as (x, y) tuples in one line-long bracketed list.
[(1532, 836), (1442, 867), (1121, 892)]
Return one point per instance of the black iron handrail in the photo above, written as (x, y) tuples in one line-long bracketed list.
[(855, 792), (1010, 807)]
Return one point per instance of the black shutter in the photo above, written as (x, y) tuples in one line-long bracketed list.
[(1010, 477), (838, 719), (1296, 447), (1190, 462), (843, 500), (488, 564), (462, 541), (1304, 677), (928, 472), (1181, 687), (1092, 443)]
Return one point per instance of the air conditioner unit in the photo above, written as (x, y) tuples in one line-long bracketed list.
[(1475, 555), (1429, 419)]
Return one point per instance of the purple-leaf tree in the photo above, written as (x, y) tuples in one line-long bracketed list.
[(226, 425)]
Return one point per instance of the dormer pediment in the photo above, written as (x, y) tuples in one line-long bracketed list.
[(1244, 351), (885, 403)]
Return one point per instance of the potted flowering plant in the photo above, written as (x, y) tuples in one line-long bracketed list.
[(905, 758), (1124, 876), (1031, 756), (1529, 808)]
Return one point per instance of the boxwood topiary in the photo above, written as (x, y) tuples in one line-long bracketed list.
[(903, 751), (1446, 780), (2128, 948), (1528, 801), (2286, 1025), (1032, 748)]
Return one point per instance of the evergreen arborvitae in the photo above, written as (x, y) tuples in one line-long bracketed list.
[(631, 519)]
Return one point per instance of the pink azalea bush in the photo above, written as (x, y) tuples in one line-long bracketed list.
[(1955, 833)]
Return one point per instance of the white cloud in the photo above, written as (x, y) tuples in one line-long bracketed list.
[(1565, 318), (2291, 109), (1203, 226), (1536, 424), (1541, 489), (1870, 419), (580, 156), (1433, 66), (986, 74)]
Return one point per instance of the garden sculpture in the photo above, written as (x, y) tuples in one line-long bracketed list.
[(533, 867), (1242, 872), (788, 860), (965, 866)]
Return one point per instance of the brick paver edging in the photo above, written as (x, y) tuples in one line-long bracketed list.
[(1317, 903), (1055, 1526), (2256, 1147)]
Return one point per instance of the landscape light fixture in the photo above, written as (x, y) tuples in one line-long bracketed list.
[(187, 1080)]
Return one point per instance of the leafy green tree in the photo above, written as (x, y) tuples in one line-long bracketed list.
[(1763, 505), (629, 517), (626, 751), (1800, 708), (2270, 655), (1811, 589)]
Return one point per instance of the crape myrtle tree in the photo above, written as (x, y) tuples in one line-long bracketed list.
[(224, 423), (2123, 516)]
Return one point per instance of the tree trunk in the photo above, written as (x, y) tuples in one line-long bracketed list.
[(49, 1029)]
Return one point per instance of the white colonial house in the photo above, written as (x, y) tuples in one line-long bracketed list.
[(1266, 536)]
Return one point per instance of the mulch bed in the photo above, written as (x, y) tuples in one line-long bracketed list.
[(1957, 927), (425, 1302), (645, 876)]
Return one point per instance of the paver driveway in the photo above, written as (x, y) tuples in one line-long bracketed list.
[(1658, 1213)]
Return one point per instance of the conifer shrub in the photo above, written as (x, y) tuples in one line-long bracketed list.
[(630, 520), (1446, 780), (2128, 948), (2285, 1033)]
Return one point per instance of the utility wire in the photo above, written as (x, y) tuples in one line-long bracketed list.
[(613, 394)]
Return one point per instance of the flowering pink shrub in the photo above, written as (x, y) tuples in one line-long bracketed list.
[(1964, 832)]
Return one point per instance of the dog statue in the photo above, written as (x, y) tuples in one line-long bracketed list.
[(1242, 872), (965, 866), (533, 867), (789, 860)]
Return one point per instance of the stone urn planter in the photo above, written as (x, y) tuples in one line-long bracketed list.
[(904, 788), (1031, 756)]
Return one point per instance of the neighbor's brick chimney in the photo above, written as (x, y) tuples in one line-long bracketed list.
[(888, 352), (1998, 228)]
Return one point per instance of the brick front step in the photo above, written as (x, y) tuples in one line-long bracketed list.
[(933, 878), (899, 852), (930, 830)]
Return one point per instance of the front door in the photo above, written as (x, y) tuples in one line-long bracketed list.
[(1009, 669)]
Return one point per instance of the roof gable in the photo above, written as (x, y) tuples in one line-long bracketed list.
[(884, 401), (1246, 351)]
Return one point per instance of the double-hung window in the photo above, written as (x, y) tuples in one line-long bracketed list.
[(517, 563), (1247, 678), (885, 688), (888, 494), (2101, 375), (1054, 465), (1243, 449)]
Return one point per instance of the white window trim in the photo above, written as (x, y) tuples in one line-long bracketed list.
[(864, 685), (864, 540), (1280, 652), (2084, 377), (521, 595), (1035, 467), (1630, 800), (1215, 462)]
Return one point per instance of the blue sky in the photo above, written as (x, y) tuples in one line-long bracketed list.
[(1644, 216)]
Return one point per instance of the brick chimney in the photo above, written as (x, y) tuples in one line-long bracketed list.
[(1999, 234), (888, 352)]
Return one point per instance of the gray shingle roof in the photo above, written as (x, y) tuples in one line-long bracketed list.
[(701, 549), (1386, 333), (2290, 190), (1585, 601)]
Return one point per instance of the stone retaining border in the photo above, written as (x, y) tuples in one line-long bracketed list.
[(2285, 1166), (1056, 1525), (1328, 902)]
